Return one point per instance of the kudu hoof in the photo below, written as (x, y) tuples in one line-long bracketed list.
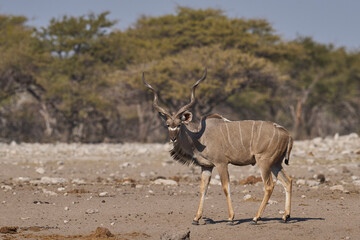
[(230, 223), (195, 222), (255, 220), (285, 218)]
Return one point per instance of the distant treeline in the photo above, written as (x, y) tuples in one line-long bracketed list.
[(79, 79)]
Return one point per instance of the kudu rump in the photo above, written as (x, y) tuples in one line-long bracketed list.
[(216, 142)]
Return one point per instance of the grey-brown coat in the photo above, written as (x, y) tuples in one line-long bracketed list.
[(217, 142)]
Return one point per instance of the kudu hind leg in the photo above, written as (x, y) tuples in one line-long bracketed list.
[(287, 183), (268, 189), (225, 183), (205, 180)]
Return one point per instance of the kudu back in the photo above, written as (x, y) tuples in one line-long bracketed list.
[(217, 142)]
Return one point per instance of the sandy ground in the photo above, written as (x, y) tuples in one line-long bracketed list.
[(62, 195)]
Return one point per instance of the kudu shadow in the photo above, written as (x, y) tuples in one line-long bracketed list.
[(263, 220), (195, 136)]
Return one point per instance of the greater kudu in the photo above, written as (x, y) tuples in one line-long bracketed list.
[(216, 142)]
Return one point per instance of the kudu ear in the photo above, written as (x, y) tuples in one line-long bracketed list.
[(186, 117), (163, 116)]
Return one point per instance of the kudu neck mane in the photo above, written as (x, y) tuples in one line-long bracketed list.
[(183, 150)]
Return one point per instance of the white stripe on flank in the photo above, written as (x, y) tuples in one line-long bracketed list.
[(222, 133), (228, 136), (252, 133), (272, 138), (259, 133), (241, 137)]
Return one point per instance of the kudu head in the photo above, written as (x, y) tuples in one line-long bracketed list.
[(182, 116)]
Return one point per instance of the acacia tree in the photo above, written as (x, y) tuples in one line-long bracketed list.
[(20, 93), (75, 81), (157, 37)]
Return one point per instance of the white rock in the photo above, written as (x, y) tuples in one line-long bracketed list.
[(6, 187), (343, 182), (49, 180), (356, 182), (301, 182), (91, 211), (66, 221), (337, 187), (60, 189), (355, 178), (247, 197), (40, 170), (66, 208), (22, 179), (312, 183), (127, 182), (143, 175), (303, 196), (214, 181), (124, 165), (317, 140), (103, 194), (346, 152), (165, 182), (78, 181), (142, 150), (272, 202), (310, 161), (50, 193), (352, 136)]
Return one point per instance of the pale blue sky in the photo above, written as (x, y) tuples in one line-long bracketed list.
[(327, 21)]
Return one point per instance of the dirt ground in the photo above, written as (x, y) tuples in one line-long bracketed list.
[(64, 196)]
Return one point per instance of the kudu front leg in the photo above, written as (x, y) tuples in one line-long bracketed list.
[(205, 180), (225, 182)]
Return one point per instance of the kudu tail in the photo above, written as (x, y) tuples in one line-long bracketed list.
[(288, 150)]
